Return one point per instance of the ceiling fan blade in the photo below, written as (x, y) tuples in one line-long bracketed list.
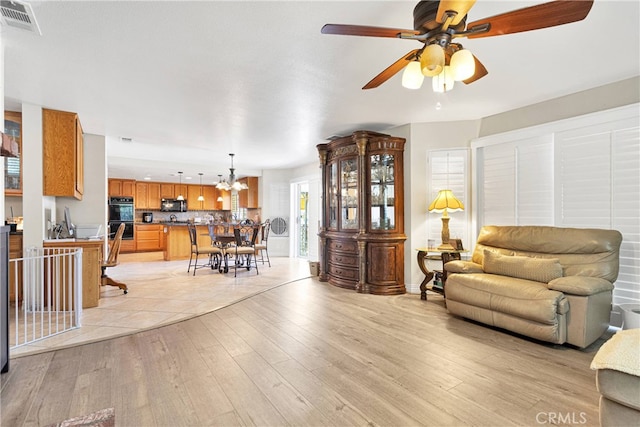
[(480, 72), (362, 30), (391, 70), (544, 15), (461, 7)]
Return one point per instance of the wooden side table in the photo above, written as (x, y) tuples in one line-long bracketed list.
[(439, 254)]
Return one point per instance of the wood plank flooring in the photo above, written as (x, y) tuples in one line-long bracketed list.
[(309, 354)]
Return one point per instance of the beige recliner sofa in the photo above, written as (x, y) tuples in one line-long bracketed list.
[(552, 284)]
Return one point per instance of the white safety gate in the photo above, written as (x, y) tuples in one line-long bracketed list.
[(47, 289)]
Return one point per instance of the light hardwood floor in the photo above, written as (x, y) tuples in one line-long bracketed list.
[(307, 353)]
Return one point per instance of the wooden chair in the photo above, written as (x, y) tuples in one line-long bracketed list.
[(212, 252), (112, 261), (261, 247), (244, 249)]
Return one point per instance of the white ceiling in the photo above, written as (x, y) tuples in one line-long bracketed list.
[(190, 82)]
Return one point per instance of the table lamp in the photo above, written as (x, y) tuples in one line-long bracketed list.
[(445, 201)]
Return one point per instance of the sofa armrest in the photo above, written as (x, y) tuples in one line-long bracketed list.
[(463, 267), (580, 285)]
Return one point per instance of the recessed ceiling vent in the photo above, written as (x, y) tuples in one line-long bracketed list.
[(19, 15)]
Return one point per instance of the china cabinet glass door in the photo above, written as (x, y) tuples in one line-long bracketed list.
[(333, 195), (349, 193), (382, 192)]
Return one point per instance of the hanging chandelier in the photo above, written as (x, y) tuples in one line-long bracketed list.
[(232, 184)]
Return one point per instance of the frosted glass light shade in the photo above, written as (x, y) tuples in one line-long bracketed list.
[(412, 76), (432, 60), (443, 82), (462, 65)]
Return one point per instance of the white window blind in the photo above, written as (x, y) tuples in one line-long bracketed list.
[(448, 169), (584, 178), (534, 182), (497, 191), (585, 174), (626, 211)]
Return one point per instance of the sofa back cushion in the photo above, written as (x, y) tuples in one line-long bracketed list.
[(541, 270), (580, 251)]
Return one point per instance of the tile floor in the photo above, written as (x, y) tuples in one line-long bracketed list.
[(161, 292)]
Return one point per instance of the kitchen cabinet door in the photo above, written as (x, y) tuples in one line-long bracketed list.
[(142, 194), (153, 196), (193, 192), (62, 154), (167, 191), (210, 194)]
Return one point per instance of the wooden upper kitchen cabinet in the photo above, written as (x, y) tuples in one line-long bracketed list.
[(166, 190), (249, 198), (122, 187), (147, 195), (210, 193), (193, 192), (62, 154)]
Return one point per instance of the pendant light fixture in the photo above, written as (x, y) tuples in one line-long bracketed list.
[(201, 197), (180, 196)]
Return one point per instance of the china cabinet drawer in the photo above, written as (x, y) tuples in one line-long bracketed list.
[(342, 259), (343, 245), (344, 272)]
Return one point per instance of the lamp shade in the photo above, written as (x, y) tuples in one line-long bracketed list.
[(463, 65), (432, 60), (412, 76), (443, 82), (446, 201)]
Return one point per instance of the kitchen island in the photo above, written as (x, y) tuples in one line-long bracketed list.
[(178, 245)]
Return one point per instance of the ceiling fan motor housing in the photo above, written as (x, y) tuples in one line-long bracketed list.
[(424, 17)]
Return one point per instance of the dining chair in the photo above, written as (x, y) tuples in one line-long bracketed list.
[(261, 247), (112, 261), (244, 249), (214, 253)]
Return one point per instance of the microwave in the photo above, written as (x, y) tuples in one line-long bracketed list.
[(173, 205)]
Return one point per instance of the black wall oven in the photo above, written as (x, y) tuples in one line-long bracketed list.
[(121, 210)]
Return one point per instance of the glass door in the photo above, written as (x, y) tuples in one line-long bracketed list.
[(383, 216), (349, 194), (301, 231)]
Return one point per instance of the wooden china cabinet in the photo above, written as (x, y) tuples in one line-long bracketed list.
[(362, 228)]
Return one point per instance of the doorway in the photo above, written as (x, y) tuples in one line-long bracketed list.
[(301, 232)]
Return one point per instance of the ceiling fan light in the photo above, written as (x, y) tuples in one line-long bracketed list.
[(432, 60), (412, 76), (443, 82), (463, 65)]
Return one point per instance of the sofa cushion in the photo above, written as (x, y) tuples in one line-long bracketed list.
[(521, 298), (541, 270)]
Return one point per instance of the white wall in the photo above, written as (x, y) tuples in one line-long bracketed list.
[(33, 203), (275, 189), (601, 98), (422, 137), (92, 209), (310, 173)]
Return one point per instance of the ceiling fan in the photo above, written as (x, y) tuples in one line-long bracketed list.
[(437, 24)]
